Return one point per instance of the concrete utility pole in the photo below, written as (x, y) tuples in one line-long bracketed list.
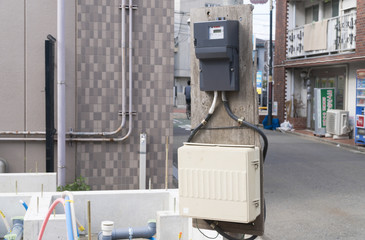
[(243, 102)]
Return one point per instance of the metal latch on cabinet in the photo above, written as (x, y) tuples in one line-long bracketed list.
[(256, 203), (256, 163)]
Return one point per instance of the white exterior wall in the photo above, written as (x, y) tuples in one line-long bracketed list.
[(347, 4)]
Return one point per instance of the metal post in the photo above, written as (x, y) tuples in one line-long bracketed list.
[(309, 103), (269, 116), (61, 97)]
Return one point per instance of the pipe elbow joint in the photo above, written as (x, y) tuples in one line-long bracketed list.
[(151, 229)]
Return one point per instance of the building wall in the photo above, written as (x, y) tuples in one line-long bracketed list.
[(116, 165), (93, 87), (281, 64), (24, 28), (280, 57)]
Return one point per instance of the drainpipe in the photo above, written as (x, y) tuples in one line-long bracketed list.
[(61, 96), (49, 90), (309, 103), (128, 233), (17, 230)]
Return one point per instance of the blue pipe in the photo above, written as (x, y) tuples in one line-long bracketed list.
[(70, 234), (131, 233), (17, 231), (24, 205)]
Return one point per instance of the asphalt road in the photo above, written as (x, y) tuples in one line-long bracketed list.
[(313, 190)]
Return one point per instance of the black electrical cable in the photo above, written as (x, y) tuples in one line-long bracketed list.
[(196, 222), (215, 226), (224, 128), (202, 124), (247, 124)]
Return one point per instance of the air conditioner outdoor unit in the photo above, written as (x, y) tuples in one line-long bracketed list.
[(337, 122), (219, 182)]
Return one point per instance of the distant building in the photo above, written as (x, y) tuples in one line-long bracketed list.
[(318, 44), (261, 62)]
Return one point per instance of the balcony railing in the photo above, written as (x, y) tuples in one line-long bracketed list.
[(341, 36)]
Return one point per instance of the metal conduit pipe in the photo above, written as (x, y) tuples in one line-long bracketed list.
[(72, 133), (130, 126), (123, 57), (129, 233), (4, 166), (130, 123), (61, 94), (22, 133)]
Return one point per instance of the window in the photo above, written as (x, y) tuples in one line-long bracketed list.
[(315, 13), (331, 9), (312, 14), (335, 8)]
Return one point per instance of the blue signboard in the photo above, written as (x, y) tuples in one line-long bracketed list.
[(259, 82)]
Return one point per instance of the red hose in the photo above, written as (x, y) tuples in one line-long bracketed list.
[(54, 204)]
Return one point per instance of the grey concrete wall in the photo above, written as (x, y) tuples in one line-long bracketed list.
[(27, 182)]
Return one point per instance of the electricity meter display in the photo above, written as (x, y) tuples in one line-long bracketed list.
[(217, 48), (216, 32)]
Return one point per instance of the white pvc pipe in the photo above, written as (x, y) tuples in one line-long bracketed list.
[(142, 160), (212, 107), (61, 96)]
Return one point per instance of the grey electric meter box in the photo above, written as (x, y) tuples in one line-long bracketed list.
[(216, 47)]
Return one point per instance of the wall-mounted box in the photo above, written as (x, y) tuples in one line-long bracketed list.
[(219, 182), (216, 47)]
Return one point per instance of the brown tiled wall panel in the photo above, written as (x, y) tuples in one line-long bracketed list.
[(115, 165)]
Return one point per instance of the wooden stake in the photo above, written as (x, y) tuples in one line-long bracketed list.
[(89, 220), (167, 162)]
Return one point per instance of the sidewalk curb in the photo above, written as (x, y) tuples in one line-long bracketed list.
[(338, 144)]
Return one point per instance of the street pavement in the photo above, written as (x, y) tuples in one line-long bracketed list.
[(313, 190)]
